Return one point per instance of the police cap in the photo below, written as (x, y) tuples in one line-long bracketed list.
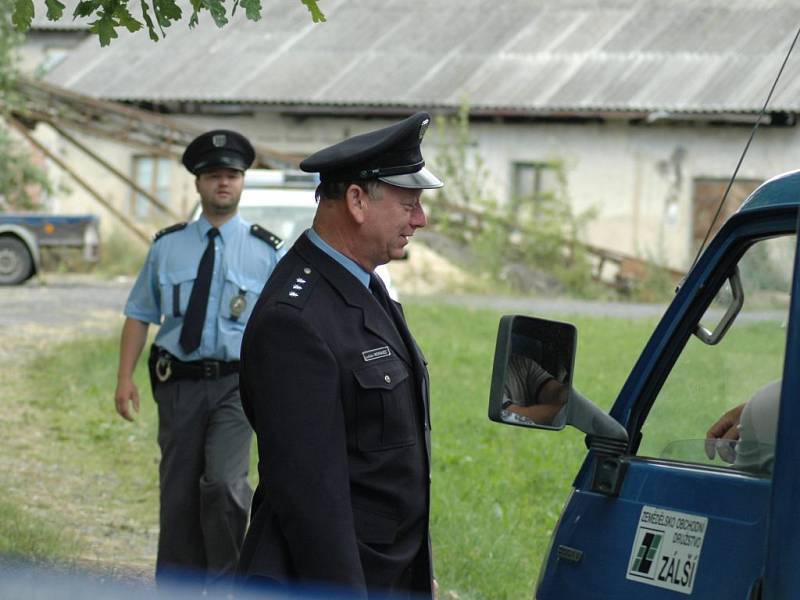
[(220, 148), (391, 154)]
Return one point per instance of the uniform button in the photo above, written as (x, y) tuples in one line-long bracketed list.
[(307, 271), (387, 379)]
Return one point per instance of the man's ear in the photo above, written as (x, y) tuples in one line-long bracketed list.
[(356, 198), (197, 183)]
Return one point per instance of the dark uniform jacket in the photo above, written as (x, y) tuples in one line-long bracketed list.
[(338, 397)]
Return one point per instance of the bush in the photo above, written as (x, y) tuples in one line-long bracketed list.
[(120, 255), (538, 235)]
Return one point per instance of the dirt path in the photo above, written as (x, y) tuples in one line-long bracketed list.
[(33, 319)]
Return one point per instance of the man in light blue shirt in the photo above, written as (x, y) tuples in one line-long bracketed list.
[(200, 282)]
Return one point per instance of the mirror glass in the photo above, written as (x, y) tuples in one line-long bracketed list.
[(532, 373)]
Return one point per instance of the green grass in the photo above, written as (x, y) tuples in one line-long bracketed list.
[(497, 490), (31, 537)]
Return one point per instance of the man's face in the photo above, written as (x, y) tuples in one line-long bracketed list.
[(220, 190), (391, 218)]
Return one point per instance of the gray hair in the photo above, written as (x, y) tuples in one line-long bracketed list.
[(335, 190)]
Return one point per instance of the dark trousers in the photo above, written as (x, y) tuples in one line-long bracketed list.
[(205, 497)]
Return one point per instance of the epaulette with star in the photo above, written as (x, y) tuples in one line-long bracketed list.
[(298, 288), (266, 236), (170, 229)]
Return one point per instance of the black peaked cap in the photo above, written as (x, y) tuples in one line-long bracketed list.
[(220, 148), (393, 150)]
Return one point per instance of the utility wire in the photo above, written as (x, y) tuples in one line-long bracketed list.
[(746, 147)]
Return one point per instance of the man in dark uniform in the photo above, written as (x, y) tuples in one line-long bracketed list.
[(336, 387), (200, 282)]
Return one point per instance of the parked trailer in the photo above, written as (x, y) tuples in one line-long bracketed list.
[(23, 236)]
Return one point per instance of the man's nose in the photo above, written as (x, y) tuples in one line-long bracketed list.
[(418, 217)]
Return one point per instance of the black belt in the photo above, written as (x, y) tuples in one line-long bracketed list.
[(165, 367)]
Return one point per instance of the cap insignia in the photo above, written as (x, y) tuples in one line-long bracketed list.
[(422, 128), (219, 140)]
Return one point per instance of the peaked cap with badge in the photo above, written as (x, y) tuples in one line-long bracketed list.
[(391, 154), (220, 148)]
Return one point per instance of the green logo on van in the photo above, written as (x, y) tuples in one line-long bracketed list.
[(646, 554)]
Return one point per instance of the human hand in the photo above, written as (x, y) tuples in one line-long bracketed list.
[(722, 434), (125, 397)]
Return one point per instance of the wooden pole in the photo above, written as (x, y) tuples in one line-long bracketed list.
[(81, 181), (135, 186)]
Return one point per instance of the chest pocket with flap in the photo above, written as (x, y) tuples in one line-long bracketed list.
[(384, 406)]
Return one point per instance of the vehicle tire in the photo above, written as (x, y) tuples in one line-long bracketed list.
[(16, 263)]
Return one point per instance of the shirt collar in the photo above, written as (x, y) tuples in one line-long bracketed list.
[(226, 230), (348, 263)]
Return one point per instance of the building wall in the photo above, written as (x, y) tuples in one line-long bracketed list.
[(638, 179)]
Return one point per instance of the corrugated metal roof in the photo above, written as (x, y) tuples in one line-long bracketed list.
[(525, 56)]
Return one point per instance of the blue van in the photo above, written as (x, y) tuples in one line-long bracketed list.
[(657, 510)]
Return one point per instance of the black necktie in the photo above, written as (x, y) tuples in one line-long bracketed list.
[(383, 298), (380, 293), (195, 316)]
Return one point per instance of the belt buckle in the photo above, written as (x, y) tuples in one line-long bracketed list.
[(163, 368), (210, 369)]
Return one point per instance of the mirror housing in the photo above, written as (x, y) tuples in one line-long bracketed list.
[(532, 372), (532, 380)]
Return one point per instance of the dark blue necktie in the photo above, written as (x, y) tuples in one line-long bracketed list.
[(380, 294), (195, 316)]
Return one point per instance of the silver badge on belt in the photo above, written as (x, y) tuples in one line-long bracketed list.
[(163, 368)]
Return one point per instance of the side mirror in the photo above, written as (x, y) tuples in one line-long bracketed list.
[(532, 380), (532, 373)]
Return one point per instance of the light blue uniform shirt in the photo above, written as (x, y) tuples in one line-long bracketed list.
[(348, 263), (242, 265)]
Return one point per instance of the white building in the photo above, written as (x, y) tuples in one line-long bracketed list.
[(647, 104)]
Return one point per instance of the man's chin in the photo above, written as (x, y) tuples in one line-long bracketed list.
[(223, 209)]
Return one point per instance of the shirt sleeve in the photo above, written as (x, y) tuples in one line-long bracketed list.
[(524, 379), (144, 301)]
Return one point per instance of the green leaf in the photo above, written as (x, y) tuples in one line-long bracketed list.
[(105, 28), (313, 8), (85, 8), (22, 15), (217, 10), (194, 18), (126, 19), (54, 9), (148, 21), (170, 10), (161, 20), (252, 9)]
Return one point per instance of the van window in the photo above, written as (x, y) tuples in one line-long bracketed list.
[(744, 367)]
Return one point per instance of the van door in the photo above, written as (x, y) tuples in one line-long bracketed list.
[(781, 575), (689, 518)]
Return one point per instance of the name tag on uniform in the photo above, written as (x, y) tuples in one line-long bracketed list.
[(376, 353)]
